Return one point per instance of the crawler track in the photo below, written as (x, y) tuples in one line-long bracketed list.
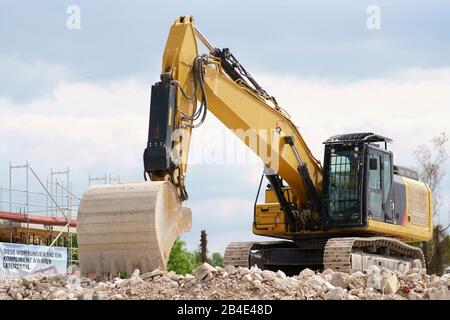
[(338, 251), (237, 254)]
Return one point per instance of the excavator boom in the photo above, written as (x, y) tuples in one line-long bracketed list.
[(221, 85)]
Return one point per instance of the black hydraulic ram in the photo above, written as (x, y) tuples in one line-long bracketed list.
[(158, 154)]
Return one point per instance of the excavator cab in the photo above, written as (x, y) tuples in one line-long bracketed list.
[(358, 180)]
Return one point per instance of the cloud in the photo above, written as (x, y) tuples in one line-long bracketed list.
[(23, 81), (221, 209), (89, 126), (86, 100)]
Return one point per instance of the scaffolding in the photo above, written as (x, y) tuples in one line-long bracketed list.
[(106, 179), (53, 199)]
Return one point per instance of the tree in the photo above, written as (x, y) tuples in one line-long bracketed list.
[(74, 248), (181, 260), (431, 171), (446, 249), (203, 247), (431, 162), (217, 259)]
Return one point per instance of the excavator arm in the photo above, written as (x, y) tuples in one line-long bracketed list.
[(216, 82)]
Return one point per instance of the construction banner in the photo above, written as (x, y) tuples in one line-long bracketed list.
[(19, 260)]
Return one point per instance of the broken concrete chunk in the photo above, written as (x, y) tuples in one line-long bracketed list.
[(255, 269), (414, 296), (230, 269), (412, 271), (189, 276), (328, 286), (257, 276), (446, 279), (335, 294), (268, 275), (327, 274), (339, 279), (438, 293), (281, 274), (257, 284), (204, 272), (101, 287), (305, 273), (389, 283), (32, 278), (317, 281), (290, 283), (151, 275), (246, 278), (243, 271)]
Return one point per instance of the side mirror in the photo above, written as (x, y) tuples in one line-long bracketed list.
[(373, 164)]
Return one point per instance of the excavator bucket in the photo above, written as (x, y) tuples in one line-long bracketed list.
[(127, 226)]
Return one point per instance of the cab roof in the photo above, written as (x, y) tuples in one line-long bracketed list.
[(366, 137)]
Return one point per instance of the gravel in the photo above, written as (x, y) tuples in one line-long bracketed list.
[(208, 282)]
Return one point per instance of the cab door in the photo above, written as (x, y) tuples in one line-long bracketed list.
[(379, 200), (388, 187)]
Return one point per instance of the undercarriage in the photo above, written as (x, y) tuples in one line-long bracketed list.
[(347, 254)]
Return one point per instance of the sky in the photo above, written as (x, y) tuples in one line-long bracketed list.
[(79, 97)]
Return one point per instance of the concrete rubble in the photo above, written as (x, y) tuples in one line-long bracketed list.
[(208, 282)]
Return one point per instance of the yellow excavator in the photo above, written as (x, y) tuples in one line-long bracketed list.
[(356, 210)]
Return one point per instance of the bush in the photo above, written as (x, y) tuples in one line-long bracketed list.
[(217, 259), (181, 260)]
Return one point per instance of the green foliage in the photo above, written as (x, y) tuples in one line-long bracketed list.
[(74, 249), (181, 260), (196, 257), (439, 251), (445, 243), (74, 240), (217, 259)]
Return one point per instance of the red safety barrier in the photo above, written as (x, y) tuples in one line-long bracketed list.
[(48, 221)]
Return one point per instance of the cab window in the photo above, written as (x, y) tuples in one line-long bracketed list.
[(374, 172), (375, 194)]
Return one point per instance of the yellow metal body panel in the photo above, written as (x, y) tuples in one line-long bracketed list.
[(417, 225), (270, 221), (418, 205), (179, 53)]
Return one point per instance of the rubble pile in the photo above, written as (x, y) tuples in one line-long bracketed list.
[(209, 282)]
